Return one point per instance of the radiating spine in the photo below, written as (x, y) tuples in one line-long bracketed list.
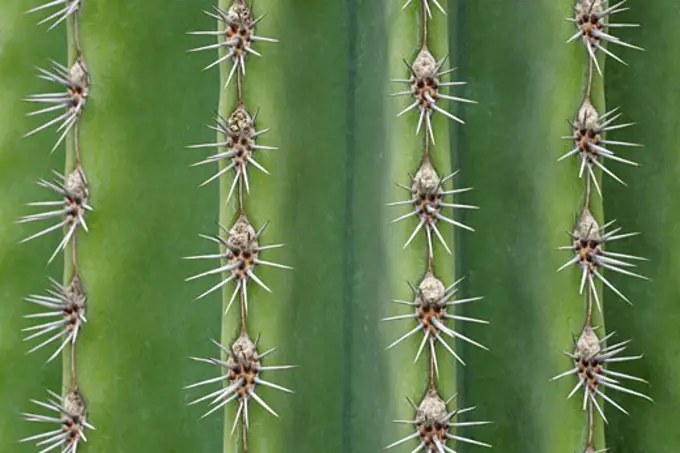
[(592, 355), (240, 363), (68, 301), (433, 302)]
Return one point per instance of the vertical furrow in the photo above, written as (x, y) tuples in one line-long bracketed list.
[(349, 258), (429, 203), (535, 199), (646, 92), (145, 106), (147, 103), (367, 381), (314, 73), (528, 85)]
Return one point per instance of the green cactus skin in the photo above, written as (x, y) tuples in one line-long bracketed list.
[(404, 151), (341, 152), (528, 85), (645, 90), (325, 107), (22, 162), (142, 323)]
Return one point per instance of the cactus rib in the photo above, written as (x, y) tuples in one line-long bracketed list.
[(239, 248), (67, 301), (432, 299), (592, 354)]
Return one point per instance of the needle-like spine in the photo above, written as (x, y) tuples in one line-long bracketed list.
[(589, 247), (63, 314), (431, 318), (243, 370)]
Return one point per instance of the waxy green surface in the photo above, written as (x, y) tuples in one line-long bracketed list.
[(646, 92), (528, 85), (324, 92)]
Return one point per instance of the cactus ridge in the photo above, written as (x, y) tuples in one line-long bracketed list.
[(435, 424), (592, 355), (68, 301)]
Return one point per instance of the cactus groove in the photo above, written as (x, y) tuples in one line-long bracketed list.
[(647, 205), (595, 351), (242, 361)]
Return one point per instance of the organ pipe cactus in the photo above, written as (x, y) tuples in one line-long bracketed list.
[(303, 147)]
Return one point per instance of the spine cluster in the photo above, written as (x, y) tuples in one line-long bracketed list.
[(64, 305), (432, 307), (241, 363), (589, 243)]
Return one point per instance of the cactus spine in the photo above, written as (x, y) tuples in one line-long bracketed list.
[(66, 301), (592, 353), (241, 361)]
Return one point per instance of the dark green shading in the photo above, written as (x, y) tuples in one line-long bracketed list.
[(647, 93), (367, 379), (527, 84), (320, 91)]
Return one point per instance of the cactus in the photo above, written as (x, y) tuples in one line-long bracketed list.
[(241, 363), (323, 93), (432, 304), (593, 354), (639, 206), (66, 415)]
